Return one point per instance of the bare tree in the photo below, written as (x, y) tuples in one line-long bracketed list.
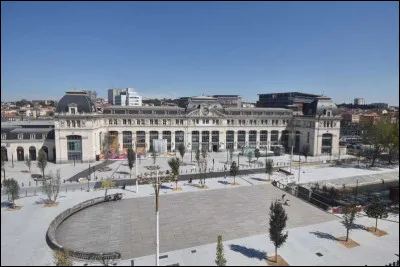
[(28, 161), (249, 156), (12, 189), (131, 160), (203, 171), (231, 154), (51, 187), (234, 171), (42, 161), (257, 153), (197, 157), (306, 151), (348, 219), (269, 168)]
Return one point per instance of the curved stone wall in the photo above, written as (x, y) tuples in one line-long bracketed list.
[(51, 232)]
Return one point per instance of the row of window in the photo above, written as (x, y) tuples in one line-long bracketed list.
[(175, 112), (74, 124), (32, 136), (194, 121)]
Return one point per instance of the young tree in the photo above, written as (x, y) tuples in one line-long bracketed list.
[(231, 153), (234, 171), (62, 258), (249, 156), (277, 223), (257, 153), (348, 219), (306, 151), (359, 153), (28, 162), (12, 189), (42, 161), (3, 163), (204, 153), (203, 171), (393, 145), (131, 160), (153, 154), (108, 184), (220, 260), (51, 187), (377, 209), (174, 164), (182, 150), (269, 168), (197, 157)]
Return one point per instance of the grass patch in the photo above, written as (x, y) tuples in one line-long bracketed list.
[(349, 244), (49, 205), (235, 183), (377, 233), (280, 262)]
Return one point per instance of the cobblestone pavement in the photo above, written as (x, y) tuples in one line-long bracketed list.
[(186, 220)]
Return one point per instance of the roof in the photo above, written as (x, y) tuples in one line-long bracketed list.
[(81, 99), (294, 93), (31, 130), (25, 123)]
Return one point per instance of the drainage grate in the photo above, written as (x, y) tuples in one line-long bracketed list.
[(194, 251), (319, 254), (163, 257)]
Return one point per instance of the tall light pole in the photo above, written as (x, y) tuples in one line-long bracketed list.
[(157, 190), (136, 170)]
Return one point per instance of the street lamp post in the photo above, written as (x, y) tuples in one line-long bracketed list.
[(157, 190), (88, 188), (299, 169), (136, 171)]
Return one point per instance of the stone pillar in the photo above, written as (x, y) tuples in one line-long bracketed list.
[(210, 141), (222, 140), (279, 137), (200, 140), (246, 140), (134, 140), (258, 139), (120, 140), (269, 140), (173, 140), (235, 140), (147, 140)]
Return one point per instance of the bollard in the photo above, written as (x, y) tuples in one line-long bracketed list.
[(22, 184), (64, 181), (36, 182), (66, 188), (81, 188), (26, 193), (34, 192), (29, 183)]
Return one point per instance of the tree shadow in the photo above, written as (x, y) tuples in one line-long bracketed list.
[(223, 182), (324, 235), (249, 252), (259, 179), (359, 227), (122, 172), (6, 204), (165, 187), (41, 201)]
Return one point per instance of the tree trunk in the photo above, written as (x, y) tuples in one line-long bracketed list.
[(347, 235), (234, 181), (376, 223), (4, 172), (176, 184), (276, 254)]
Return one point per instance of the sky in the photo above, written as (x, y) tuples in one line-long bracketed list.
[(342, 50)]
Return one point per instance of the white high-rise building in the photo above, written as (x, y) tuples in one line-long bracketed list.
[(124, 97), (359, 101)]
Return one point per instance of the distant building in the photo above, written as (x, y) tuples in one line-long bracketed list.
[(229, 101), (124, 97), (248, 105), (380, 105), (294, 100), (359, 101)]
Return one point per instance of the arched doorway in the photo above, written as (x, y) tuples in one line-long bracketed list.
[(46, 150), (54, 154), (4, 150), (20, 153), (74, 147), (32, 152)]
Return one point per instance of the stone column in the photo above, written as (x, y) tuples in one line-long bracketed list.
[(222, 139), (258, 139), (134, 140), (246, 140), (147, 139), (269, 140), (210, 141), (120, 140), (235, 139), (173, 140), (279, 137), (200, 140)]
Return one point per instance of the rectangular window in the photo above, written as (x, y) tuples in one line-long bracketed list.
[(3, 136), (129, 121), (110, 121), (44, 136), (138, 122), (68, 123), (78, 124), (151, 121), (20, 136), (181, 122), (164, 122), (177, 121), (124, 121), (32, 136), (308, 137), (73, 124)]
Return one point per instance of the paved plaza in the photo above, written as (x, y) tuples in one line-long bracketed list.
[(186, 220)]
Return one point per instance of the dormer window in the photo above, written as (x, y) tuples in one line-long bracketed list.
[(73, 108), (328, 113)]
